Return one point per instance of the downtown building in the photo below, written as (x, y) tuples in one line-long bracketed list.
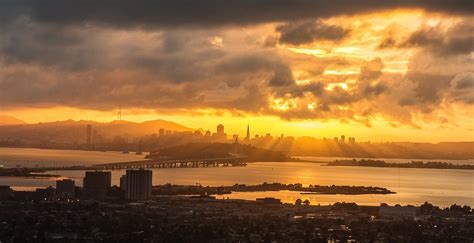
[(137, 184), (65, 188), (97, 184)]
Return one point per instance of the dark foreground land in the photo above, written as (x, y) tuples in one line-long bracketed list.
[(204, 219), (25, 172)]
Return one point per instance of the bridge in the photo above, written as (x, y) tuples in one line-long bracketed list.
[(154, 163), (174, 163)]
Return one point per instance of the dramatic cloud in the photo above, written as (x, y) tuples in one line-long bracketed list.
[(296, 59), (456, 40), (149, 13), (308, 32)]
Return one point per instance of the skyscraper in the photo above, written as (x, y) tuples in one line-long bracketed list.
[(220, 130), (65, 188), (343, 139), (89, 135), (96, 184), (247, 137), (137, 184)]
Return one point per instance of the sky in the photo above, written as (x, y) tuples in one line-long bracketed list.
[(376, 70)]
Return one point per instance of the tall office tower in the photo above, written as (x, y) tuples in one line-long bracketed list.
[(96, 184), (137, 184), (65, 188), (220, 130), (247, 137), (123, 183), (161, 132), (89, 135), (343, 139)]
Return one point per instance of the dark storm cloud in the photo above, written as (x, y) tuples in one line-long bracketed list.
[(439, 44), (307, 32), (153, 13), (457, 40), (429, 88), (462, 88)]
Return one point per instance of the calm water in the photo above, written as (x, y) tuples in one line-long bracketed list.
[(413, 186), (32, 157)]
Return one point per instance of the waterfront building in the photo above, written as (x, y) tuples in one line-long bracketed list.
[(65, 188), (137, 184), (96, 184), (269, 200)]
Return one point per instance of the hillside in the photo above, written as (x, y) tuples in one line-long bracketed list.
[(10, 120), (74, 132)]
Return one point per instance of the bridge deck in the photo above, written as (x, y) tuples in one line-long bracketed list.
[(160, 163)]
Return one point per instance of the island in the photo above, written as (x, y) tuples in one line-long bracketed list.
[(412, 164), (169, 189)]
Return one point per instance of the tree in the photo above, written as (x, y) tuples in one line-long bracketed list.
[(298, 202)]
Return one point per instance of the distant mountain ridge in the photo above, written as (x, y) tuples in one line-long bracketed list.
[(70, 131), (10, 120)]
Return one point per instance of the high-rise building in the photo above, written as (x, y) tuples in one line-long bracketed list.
[(247, 137), (89, 135), (65, 188), (343, 139), (220, 135), (335, 139), (161, 132), (137, 184), (96, 184), (220, 130)]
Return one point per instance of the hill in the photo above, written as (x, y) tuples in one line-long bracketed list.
[(71, 132), (218, 150), (10, 120)]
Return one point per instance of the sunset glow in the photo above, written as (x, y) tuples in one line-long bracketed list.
[(357, 74)]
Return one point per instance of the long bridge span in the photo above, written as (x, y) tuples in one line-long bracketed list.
[(174, 163), (158, 163)]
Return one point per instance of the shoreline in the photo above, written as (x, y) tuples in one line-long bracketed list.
[(293, 156)]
